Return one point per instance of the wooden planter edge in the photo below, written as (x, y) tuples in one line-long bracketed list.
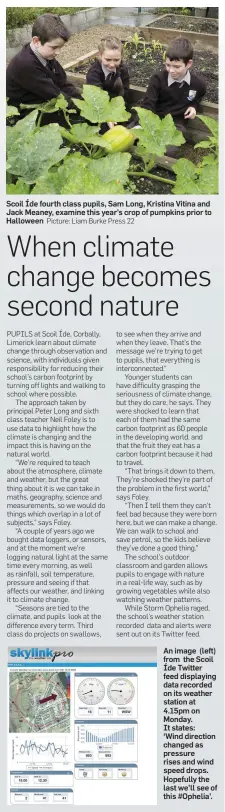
[(165, 35)]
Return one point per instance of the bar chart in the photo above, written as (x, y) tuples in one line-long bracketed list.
[(124, 735), (106, 740)]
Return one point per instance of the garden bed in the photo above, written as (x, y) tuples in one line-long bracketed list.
[(142, 64), (76, 154), (185, 23), (166, 35), (163, 29), (162, 170)]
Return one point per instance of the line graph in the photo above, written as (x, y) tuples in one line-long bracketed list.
[(33, 747), (41, 751)]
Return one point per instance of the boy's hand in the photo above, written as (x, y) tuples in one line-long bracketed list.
[(190, 112)]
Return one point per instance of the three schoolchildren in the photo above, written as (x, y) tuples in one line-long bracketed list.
[(34, 75)]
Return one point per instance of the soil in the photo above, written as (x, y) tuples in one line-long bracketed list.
[(204, 26), (141, 66), (146, 186), (194, 155)]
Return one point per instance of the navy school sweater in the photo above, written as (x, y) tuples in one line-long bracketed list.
[(116, 84), (176, 98), (29, 82)]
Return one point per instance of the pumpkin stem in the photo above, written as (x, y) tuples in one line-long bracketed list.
[(150, 175)]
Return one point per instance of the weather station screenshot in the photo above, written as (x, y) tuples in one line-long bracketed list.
[(71, 730)]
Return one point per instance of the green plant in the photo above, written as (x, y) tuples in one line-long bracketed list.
[(150, 49), (34, 153), (38, 161), (83, 175), (194, 180), (212, 142), (85, 135), (203, 178), (157, 46), (53, 106), (11, 111), (136, 40), (145, 48), (186, 11), (97, 108), (156, 133), (17, 17), (20, 131)]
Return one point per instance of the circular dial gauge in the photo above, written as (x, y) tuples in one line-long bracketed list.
[(91, 691), (120, 691)]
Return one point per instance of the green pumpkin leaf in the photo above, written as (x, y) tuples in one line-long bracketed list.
[(82, 134), (117, 110), (92, 184), (186, 177), (40, 150), (18, 188), (202, 145), (78, 174), (142, 152), (11, 111), (71, 170), (104, 176), (52, 181), (47, 184), (51, 106), (157, 134), (97, 107), (114, 167), (209, 179), (193, 180), (20, 130), (211, 123), (209, 159)]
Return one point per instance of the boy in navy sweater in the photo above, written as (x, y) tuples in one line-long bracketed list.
[(34, 75), (176, 89)]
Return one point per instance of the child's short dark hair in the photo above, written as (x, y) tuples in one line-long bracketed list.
[(112, 43), (180, 48), (48, 27)]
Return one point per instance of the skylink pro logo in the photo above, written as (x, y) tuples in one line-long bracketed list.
[(39, 653)]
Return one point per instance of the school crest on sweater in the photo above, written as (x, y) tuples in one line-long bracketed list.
[(191, 95)]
